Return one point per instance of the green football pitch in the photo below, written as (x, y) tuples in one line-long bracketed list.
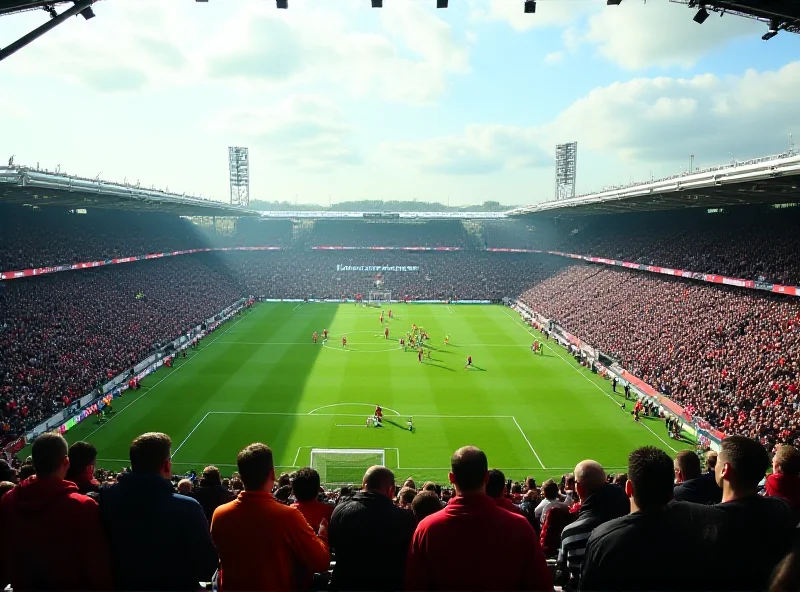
[(260, 378)]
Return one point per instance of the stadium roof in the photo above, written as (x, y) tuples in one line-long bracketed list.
[(26, 186), (769, 180)]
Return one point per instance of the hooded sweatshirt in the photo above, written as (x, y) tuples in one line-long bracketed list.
[(52, 538), (786, 487)]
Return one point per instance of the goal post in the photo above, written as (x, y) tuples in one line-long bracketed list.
[(343, 466), (378, 298)]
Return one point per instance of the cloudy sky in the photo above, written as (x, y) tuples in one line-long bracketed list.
[(340, 101)]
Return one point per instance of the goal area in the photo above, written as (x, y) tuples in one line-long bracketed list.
[(377, 299), (344, 466)]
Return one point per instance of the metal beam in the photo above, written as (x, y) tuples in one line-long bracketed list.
[(9, 50)]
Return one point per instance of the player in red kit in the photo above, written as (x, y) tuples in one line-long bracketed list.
[(386, 333), (381, 317), (344, 341), (378, 414), (314, 336), (390, 313), (325, 334), (419, 355), (469, 363)]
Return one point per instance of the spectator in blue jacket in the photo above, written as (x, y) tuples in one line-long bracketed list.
[(160, 540)]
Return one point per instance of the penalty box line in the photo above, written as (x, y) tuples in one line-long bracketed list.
[(428, 416)]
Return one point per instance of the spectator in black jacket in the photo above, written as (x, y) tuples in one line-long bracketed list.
[(210, 493), (692, 486), (755, 532), (370, 536), (619, 554), (600, 502), (160, 540)]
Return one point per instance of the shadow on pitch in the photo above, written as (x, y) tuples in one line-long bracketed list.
[(478, 368), (442, 366)]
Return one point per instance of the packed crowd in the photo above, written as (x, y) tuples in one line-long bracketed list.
[(663, 525), (62, 335), (360, 233), (756, 243), (728, 355)]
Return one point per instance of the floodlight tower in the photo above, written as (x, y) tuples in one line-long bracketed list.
[(239, 167), (566, 166)]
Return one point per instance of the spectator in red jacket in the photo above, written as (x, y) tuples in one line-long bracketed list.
[(472, 544), (305, 487), (497, 489), (785, 479), (52, 535)]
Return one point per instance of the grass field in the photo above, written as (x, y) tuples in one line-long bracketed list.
[(260, 379)]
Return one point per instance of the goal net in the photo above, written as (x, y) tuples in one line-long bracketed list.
[(379, 298), (344, 466)]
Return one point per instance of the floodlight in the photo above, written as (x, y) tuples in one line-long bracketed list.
[(87, 13), (701, 16), (283, 4), (441, 3), (530, 6), (613, 2), (773, 30), (377, 3)]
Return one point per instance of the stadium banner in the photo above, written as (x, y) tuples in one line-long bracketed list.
[(378, 268), (15, 446)]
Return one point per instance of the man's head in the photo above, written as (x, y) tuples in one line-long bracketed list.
[(569, 482), (741, 465), (650, 478), (687, 466), (380, 480), (550, 489), (786, 461), (469, 470), (211, 476), (496, 484), (530, 483), (406, 496), (589, 477), (150, 453), (50, 456), (82, 460), (711, 460), (256, 468), (424, 504), (185, 487), (305, 485)]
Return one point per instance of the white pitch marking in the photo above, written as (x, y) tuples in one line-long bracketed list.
[(514, 419), (187, 437), (313, 411)]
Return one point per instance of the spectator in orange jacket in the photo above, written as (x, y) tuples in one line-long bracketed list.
[(472, 544), (52, 538), (305, 487), (262, 544)]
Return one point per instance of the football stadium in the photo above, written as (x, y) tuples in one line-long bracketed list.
[(575, 391)]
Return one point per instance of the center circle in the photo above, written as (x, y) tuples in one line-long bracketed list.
[(334, 342)]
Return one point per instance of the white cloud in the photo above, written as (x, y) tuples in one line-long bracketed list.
[(302, 131), (409, 61), (555, 57), (480, 150), (636, 35), (646, 120)]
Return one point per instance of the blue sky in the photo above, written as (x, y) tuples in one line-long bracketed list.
[(339, 101)]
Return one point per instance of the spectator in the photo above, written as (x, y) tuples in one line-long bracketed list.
[(453, 549), (367, 530), (159, 539), (185, 487), (264, 545), (5, 487), (570, 496), (82, 460), (755, 532), (210, 492), (619, 553), (424, 504), (26, 471), (550, 492), (306, 487), (556, 519), (784, 482), (497, 490), (691, 485), (786, 577), (40, 548), (7, 473), (599, 503), (406, 497)]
